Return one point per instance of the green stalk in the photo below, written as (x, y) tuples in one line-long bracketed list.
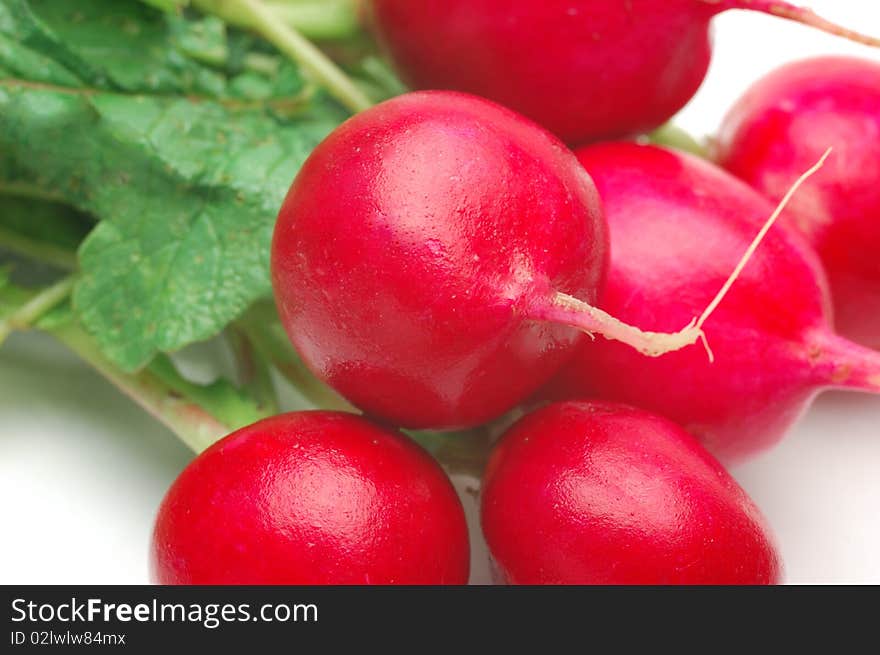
[(33, 309), (38, 250), (263, 19), (171, 6), (672, 136), (190, 422), (460, 453), (315, 19), (25, 190), (319, 19)]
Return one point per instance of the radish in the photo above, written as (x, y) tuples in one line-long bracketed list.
[(585, 69), (434, 256), (678, 224), (782, 123), (311, 498), (600, 493)]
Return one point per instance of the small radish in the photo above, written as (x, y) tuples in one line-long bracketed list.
[(585, 69), (786, 120), (311, 498), (678, 224), (600, 493), (433, 256)]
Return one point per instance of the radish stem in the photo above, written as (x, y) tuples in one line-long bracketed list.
[(194, 426), (26, 190), (460, 453), (33, 309), (672, 136), (35, 249), (263, 19), (319, 19)]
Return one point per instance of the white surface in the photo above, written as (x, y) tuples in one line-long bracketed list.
[(82, 469)]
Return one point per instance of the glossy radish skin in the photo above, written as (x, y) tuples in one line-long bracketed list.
[(678, 224), (600, 493), (585, 69), (416, 244), (791, 117), (311, 498)]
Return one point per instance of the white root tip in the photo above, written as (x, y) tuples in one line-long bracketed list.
[(657, 344)]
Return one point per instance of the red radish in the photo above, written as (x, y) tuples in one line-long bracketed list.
[(784, 122), (678, 224), (585, 69), (311, 498), (599, 493), (432, 253)]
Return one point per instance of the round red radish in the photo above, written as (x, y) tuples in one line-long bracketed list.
[(430, 255), (678, 225), (585, 69), (414, 245), (311, 498), (599, 493), (789, 118)]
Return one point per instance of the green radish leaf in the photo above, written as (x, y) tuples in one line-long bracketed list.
[(103, 44), (129, 47), (183, 168), (203, 40)]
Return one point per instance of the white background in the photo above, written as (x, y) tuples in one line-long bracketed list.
[(82, 469)]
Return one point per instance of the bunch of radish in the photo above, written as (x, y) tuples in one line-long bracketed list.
[(442, 261)]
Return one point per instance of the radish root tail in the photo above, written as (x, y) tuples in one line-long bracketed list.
[(566, 309), (792, 12), (812, 19)]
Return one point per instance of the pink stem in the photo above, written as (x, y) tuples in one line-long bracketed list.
[(798, 14), (842, 364)]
